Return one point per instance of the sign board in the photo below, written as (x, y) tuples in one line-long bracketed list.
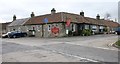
[(45, 20), (55, 30), (68, 22), (66, 31)]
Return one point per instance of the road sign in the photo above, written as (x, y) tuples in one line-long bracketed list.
[(46, 20)]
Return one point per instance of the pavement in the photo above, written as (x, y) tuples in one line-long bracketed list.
[(96, 48)]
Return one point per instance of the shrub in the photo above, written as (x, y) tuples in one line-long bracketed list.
[(86, 32), (105, 29)]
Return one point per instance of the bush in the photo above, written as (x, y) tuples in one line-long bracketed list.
[(86, 32), (105, 29)]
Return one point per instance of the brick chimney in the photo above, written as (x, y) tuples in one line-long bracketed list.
[(82, 13), (32, 14), (98, 17), (53, 11), (14, 17)]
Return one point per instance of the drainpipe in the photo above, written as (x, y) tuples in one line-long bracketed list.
[(42, 30)]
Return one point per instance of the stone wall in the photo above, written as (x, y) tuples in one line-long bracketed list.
[(45, 30), (48, 30), (17, 28)]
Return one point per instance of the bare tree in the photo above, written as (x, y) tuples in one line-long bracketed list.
[(107, 16)]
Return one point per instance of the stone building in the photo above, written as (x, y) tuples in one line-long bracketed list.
[(60, 24), (3, 27)]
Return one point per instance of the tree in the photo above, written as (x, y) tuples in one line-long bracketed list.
[(107, 16)]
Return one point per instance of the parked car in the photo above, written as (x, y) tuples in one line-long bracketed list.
[(94, 31), (5, 35), (17, 34), (117, 31)]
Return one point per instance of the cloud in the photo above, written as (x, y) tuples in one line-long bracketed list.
[(23, 8)]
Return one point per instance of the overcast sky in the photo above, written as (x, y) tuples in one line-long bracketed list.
[(23, 8)]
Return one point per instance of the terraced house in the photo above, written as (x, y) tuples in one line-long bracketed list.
[(61, 24)]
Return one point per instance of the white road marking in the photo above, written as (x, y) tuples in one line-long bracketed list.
[(74, 56)]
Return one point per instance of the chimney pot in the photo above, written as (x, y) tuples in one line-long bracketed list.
[(32, 14), (53, 11), (82, 13), (98, 17), (14, 17)]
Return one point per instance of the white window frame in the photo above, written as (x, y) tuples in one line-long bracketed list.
[(86, 26), (49, 27), (101, 27)]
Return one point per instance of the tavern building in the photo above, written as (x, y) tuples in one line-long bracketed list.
[(60, 24)]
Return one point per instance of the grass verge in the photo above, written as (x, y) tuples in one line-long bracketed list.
[(118, 43)]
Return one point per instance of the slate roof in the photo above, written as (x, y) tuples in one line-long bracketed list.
[(19, 22)]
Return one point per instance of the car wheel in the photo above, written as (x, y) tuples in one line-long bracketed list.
[(25, 35), (8, 36), (14, 36), (115, 32), (93, 33)]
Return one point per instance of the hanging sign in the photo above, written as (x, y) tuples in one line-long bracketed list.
[(55, 30), (68, 22)]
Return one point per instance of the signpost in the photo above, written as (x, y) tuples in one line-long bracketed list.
[(45, 20)]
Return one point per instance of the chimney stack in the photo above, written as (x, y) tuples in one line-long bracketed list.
[(98, 17), (14, 17), (82, 13), (32, 15), (53, 11)]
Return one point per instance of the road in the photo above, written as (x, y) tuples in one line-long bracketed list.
[(71, 49), (85, 52)]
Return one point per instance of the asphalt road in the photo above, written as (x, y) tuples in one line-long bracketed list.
[(8, 47), (87, 49), (101, 55)]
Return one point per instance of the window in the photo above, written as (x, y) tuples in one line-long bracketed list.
[(101, 27), (73, 27), (94, 27), (86, 26), (49, 27), (56, 25)]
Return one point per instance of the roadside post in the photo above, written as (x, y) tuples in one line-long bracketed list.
[(45, 21)]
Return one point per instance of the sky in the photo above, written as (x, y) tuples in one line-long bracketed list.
[(23, 8)]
